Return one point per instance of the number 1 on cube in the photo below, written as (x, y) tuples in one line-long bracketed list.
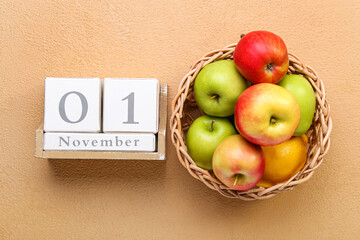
[(131, 105)]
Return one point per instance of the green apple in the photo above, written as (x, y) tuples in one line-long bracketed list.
[(204, 135), (305, 96), (218, 86)]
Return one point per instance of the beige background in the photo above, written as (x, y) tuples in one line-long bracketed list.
[(98, 199)]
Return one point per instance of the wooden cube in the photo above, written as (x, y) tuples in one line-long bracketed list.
[(72, 105), (131, 105)]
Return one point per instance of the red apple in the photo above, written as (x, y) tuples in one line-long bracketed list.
[(261, 57), (267, 114), (238, 163)]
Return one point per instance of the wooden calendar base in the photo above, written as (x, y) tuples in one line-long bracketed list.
[(159, 153)]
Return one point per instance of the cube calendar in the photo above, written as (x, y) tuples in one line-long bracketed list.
[(90, 116)]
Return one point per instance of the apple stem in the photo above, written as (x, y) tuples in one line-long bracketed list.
[(269, 67), (212, 126), (236, 179), (215, 96), (272, 121)]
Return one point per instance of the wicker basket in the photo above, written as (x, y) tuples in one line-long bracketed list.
[(184, 110)]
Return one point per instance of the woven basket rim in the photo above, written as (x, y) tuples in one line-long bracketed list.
[(318, 134)]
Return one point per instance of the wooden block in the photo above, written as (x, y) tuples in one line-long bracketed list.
[(99, 142), (158, 154), (131, 105), (72, 105)]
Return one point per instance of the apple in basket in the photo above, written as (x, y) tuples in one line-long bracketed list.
[(217, 87), (305, 96), (204, 135), (238, 163), (261, 57), (267, 114)]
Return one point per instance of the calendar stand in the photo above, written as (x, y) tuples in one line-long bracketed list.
[(159, 153)]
